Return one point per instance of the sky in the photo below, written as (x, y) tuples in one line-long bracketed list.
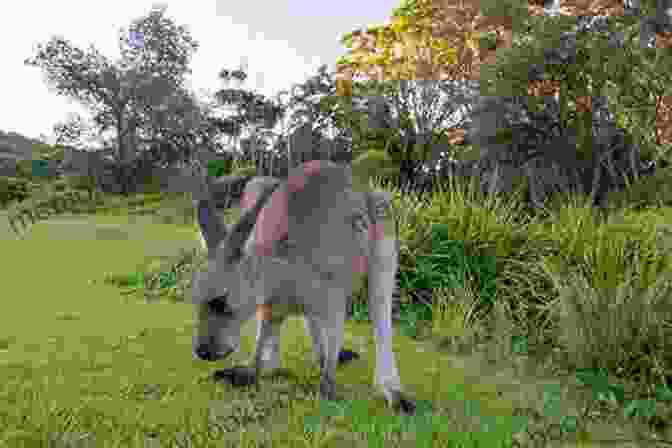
[(281, 41)]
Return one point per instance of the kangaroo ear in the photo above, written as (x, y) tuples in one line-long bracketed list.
[(212, 228), (192, 178), (232, 247)]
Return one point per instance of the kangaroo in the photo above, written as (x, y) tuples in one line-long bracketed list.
[(230, 190), (294, 250)]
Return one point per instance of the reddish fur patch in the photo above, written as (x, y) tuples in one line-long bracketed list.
[(264, 312), (273, 221), (377, 231)]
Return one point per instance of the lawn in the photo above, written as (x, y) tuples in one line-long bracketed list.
[(84, 364)]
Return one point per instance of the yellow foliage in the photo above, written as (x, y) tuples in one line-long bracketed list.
[(399, 44), (344, 87), (400, 24)]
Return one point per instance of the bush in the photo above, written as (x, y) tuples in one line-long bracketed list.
[(59, 185), (24, 169), (245, 170), (13, 189), (81, 182), (648, 191), (218, 168), (151, 185)]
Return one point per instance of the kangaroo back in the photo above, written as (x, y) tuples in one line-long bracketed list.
[(310, 216)]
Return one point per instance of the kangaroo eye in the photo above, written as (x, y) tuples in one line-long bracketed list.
[(220, 306)]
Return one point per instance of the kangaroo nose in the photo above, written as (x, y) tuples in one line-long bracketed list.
[(204, 353)]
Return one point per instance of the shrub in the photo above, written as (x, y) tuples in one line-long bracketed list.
[(13, 189), (151, 185), (218, 168), (653, 190), (23, 169), (81, 182), (448, 264), (59, 185), (248, 169)]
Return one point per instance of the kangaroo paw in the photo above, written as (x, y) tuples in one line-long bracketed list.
[(237, 376), (327, 389), (406, 406), (400, 403), (345, 356)]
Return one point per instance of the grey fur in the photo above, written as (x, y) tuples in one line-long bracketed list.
[(309, 272)]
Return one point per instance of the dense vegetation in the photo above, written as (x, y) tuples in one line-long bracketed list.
[(566, 271)]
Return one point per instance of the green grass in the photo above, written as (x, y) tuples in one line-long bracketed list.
[(95, 343), (80, 358)]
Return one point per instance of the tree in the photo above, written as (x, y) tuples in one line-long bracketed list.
[(428, 39), (310, 110), (315, 101), (372, 123), (461, 25), (171, 132), (315, 109), (580, 136), (407, 123), (404, 50), (143, 79), (252, 111)]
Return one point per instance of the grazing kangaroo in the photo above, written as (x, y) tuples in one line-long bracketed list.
[(294, 250)]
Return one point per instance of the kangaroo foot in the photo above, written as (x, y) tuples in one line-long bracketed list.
[(237, 376)]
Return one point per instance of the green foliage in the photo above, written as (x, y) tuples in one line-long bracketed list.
[(620, 330), (447, 266), (382, 153), (40, 169), (59, 185), (13, 189), (516, 9), (36, 170), (24, 169), (374, 163), (218, 168), (170, 278), (248, 169), (57, 154), (81, 182), (63, 64), (649, 191), (509, 75), (488, 40), (407, 8), (48, 152), (151, 185), (637, 76), (631, 77)]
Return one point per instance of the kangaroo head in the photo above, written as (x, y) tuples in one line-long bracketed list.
[(224, 293), (227, 292)]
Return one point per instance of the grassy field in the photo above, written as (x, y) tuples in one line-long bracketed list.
[(83, 364)]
